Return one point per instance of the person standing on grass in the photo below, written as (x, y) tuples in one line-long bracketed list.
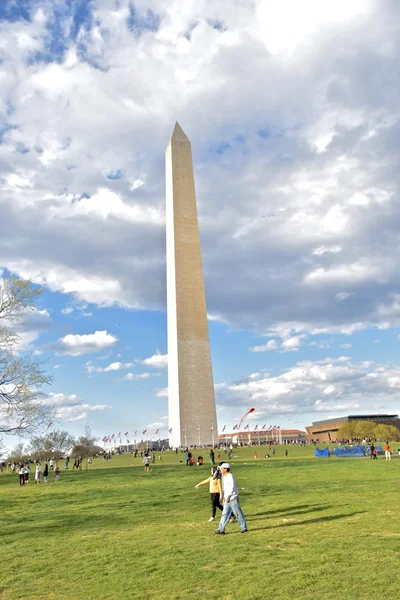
[(21, 474), (372, 450), (45, 473), (146, 462), (57, 472), (230, 501), (38, 472), (215, 492), (387, 451), (26, 473), (212, 456)]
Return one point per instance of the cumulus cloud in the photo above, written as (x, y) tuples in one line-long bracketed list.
[(133, 376), (316, 387), (162, 393), (317, 139), (70, 407), (158, 361), (76, 345), (112, 367), (270, 345)]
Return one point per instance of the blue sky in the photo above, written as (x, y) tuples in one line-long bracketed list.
[(293, 117)]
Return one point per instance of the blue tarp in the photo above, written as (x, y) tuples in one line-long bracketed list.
[(346, 451), (379, 450), (322, 453)]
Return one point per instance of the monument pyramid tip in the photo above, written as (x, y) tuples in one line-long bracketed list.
[(178, 133)]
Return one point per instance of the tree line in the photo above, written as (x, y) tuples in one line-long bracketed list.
[(368, 430), (56, 444)]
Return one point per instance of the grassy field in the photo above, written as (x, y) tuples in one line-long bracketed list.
[(319, 528)]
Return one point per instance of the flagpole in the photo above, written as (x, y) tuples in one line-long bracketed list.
[(199, 436)]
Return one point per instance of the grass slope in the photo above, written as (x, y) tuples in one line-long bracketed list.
[(319, 528)]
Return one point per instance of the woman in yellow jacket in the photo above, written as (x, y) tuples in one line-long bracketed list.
[(215, 492)]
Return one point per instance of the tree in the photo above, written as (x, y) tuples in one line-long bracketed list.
[(57, 443), (386, 432), (364, 429), (21, 377), (86, 445), (18, 452), (347, 430)]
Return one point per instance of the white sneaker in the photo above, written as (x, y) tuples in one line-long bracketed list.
[(211, 519)]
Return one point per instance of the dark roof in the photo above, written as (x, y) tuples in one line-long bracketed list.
[(355, 418)]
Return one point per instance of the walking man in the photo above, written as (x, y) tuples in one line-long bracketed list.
[(231, 504)]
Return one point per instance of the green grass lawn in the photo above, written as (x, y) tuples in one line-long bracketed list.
[(319, 528)]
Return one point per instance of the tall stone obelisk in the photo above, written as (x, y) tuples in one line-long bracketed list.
[(191, 401)]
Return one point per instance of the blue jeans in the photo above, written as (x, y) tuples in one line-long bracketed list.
[(232, 507)]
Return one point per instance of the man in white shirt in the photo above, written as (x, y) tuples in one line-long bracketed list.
[(231, 504)]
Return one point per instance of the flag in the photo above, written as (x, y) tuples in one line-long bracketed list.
[(224, 429), (170, 430), (247, 426), (235, 428), (49, 425), (144, 432), (113, 436), (126, 433), (255, 428), (135, 433), (119, 434), (127, 441), (263, 427), (156, 432)]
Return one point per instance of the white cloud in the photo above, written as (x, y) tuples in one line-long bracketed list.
[(158, 361), (292, 344), (133, 376), (162, 393), (316, 387), (76, 345), (70, 407), (320, 146), (343, 296), (326, 249), (270, 345), (112, 367)]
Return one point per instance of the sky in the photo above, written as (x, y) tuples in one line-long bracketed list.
[(292, 109)]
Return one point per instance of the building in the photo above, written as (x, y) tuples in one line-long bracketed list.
[(281, 436), (327, 430), (191, 402)]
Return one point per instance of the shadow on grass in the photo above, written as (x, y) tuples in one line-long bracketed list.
[(298, 508), (68, 524), (310, 521), (287, 513)]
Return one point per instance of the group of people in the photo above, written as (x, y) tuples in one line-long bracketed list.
[(223, 488), (24, 472)]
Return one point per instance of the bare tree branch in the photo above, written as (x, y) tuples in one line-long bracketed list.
[(21, 377)]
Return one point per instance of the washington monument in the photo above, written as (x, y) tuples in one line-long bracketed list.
[(191, 401)]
